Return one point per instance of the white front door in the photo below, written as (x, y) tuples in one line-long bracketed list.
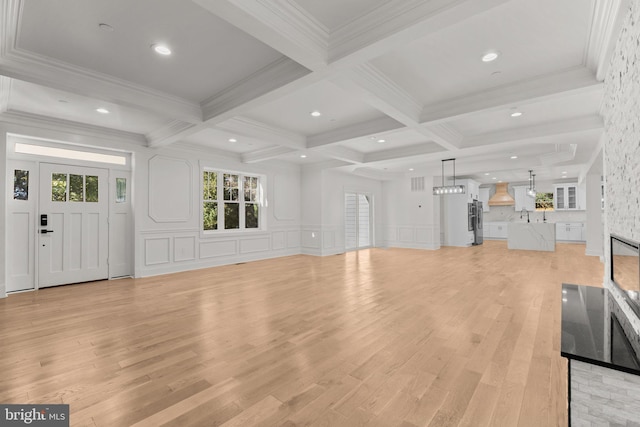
[(72, 227)]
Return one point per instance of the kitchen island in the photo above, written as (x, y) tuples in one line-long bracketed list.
[(532, 236)]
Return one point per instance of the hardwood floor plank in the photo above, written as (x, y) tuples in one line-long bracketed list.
[(380, 337)]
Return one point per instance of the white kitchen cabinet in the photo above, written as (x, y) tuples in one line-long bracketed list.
[(484, 198), (523, 200), (565, 197), (495, 230), (570, 231)]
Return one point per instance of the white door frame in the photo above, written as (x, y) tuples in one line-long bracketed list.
[(369, 197)]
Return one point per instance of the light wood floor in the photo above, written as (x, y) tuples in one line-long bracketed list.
[(395, 337)]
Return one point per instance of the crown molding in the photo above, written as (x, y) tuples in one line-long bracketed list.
[(258, 88), (377, 174), (266, 154), (282, 25), (382, 92), (170, 133), (558, 85), (60, 125), (545, 130), (444, 135), (181, 147), (606, 22), (397, 23), (255, 129), (357, 130), (46, 71)]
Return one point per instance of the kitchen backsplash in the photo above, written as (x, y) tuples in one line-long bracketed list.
[(507, 213)]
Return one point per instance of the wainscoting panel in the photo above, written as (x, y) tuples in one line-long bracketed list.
[(259, 244), (406, 234), (184, 248), (278, 240), (157, 250), (218, 248), (170, 191), (293, 239)]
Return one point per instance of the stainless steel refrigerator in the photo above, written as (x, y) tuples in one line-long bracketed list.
[(475, 221)]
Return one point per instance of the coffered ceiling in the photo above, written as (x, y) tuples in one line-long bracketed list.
[(399, 84)]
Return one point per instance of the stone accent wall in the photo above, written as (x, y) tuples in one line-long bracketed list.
[(621, 110), (603, 397)]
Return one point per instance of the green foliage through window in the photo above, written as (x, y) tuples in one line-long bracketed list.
[(239, 206), (92, 188), (20, 184), (59, 187), (544, 201), (76, 188)]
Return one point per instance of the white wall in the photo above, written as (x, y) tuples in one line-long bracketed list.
[(621, 110), (594, 224), (3, 208), (412, 219), (168, 223), (323, 211)]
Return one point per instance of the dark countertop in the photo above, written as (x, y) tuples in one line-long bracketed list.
[(591, 333)]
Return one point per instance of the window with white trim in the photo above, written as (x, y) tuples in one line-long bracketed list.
[(230, 201)]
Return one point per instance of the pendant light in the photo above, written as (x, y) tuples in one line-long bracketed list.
[(531, 192), (448, 189)]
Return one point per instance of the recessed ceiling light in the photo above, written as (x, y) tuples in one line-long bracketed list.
[(303, 156), (105, 27), (490, 56), (102, 110), (233, 140), (411, 169), (514, 157), (316, 113), (500, 181), (494, 177), (565, 172), (516, 114), (161, 49), (487, 173), (380, 141)]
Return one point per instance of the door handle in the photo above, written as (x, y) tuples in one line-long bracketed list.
[(46, 231)]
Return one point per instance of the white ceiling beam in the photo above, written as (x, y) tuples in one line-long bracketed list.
[(596, 155), (606, 22), (545, 130), (274, 81), (262, 131), (403, 152), (69, 127), (381, 92), (358, 130), (342, 153), (172, 132), (282, 25), (573, 81), (265, 154), (396, 23)]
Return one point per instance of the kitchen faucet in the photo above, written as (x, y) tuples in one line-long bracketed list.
[(521, 213)]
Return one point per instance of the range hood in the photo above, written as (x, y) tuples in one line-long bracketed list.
[(502, 196)]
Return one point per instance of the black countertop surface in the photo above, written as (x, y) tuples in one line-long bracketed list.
[(591, 333)]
